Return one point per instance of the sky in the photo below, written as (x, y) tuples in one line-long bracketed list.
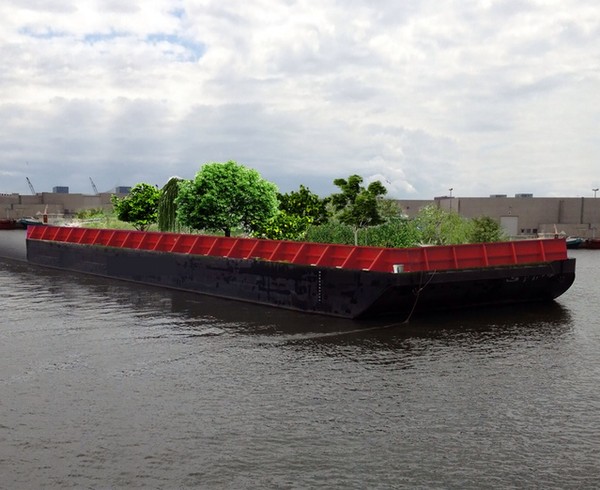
[(478, 96)]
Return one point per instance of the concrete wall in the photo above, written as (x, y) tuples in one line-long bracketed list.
[(536, 215), (412, 207)]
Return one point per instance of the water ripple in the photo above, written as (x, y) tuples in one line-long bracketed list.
[(111, 385)]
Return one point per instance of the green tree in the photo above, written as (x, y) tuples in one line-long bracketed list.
[(358, 206), (297, 211), (439, 227), (167, 209), (306, 204), (395, 232), (389, 209), (485, 229), (225, 197), (284, 226), (139, 207)]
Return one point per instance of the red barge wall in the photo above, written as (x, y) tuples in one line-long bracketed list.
[(378, 259), (338, 280)]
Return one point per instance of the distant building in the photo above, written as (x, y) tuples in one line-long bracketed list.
[(55, 204), (523, 216)]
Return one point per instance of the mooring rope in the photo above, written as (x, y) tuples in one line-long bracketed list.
[(380, 327), (421, 287)]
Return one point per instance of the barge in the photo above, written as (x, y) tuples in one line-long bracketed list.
[(337, 280)]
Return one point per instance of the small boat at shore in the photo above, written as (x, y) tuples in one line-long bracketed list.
[(9, 224), (574, 242), (30, 221), (591, 243)]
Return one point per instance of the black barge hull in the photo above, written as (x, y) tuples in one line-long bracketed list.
[(330, 291)]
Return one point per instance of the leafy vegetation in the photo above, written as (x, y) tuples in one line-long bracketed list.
[(306, 204), (356, 205), (297, 211), (139, 207), (485, 229), (89, 214), (226, 197), (435, 226), (330, 233), (167, 208), (396, 232)]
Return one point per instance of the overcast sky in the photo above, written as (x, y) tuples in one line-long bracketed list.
[(481, 96)]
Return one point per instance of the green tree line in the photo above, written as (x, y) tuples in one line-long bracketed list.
[(231, 199)]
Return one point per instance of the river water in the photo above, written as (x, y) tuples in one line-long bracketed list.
[(105, 384)]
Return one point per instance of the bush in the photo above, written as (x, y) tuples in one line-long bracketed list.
[(396, 232), (485, 229), (330, 233)]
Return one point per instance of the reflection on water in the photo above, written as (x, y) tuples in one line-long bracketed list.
[(106, 384), (188, 311)]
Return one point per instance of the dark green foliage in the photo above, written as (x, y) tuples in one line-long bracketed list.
[(225, 197), (330, 233), (139, 207), (284, 226), (396, 232), (305, 204), (485, 229), (167, 209), (297, 211), (356, 205), (432, 226)]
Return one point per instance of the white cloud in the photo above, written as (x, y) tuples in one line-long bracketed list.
[(484, 97)]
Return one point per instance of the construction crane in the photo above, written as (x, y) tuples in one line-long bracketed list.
[(94, 186), (30, 186)]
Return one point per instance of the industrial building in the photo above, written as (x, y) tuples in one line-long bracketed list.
[(57, 204), (520, 216), (524, 215)]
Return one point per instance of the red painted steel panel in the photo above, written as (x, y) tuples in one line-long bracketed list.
[(202, 245), (114, 238), (101, 237), (89, 236), (335, 255), (326, 255), (62, 234), (285, 252), (222, 246), (149, 241), (167, 242), (263, 249), (240, 248), (273, 253), (440, 258), (133, 240), (118, 239), (185, 243), (76, 235)]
